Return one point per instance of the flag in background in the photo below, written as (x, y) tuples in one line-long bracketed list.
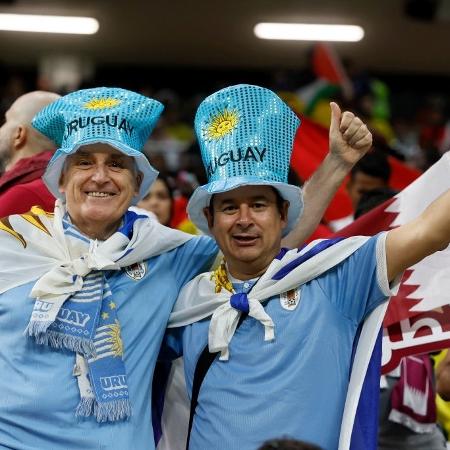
[(418, 317), (327, 66), (423, 287)]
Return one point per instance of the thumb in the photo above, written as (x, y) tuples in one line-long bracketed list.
[(335, 118)]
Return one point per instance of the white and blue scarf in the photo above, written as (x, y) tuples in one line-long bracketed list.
[(74, 307), (200, 299)]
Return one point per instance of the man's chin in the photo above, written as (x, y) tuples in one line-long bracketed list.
[(245, 254)]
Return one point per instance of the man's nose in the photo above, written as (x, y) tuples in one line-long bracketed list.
[(100, 174), (245, 216)]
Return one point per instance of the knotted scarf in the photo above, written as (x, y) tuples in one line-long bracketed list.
[(74, 307)]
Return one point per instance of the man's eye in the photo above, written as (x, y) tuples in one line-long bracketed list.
[(258, 206), (116, 165), (84, 162), (229, 209)]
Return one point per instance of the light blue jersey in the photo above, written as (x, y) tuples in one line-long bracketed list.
[(39, 394), (295, 385)]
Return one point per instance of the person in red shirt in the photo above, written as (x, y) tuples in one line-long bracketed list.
[(24, 154)]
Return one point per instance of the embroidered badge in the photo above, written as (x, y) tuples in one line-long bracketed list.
[(221, 124), (136, 271), (289, 300)]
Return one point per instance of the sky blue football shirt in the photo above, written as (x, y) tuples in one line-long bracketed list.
[(296, 385), (39, 394)]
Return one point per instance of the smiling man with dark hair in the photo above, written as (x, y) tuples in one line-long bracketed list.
[(268, 337)]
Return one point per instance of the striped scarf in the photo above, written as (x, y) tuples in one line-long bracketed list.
[(74, 308)]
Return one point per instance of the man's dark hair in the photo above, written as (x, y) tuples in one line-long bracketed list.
[(375, 164), (288, 444), (371, 199)]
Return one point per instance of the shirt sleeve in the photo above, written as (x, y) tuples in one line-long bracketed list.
[(194, 257), (359, 284)]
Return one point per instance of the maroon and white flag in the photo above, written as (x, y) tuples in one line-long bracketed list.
[(418, 317)]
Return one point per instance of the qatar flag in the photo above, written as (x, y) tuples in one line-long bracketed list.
[(418, 317)]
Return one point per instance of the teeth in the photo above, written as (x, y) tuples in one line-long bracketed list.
[(98, 194)]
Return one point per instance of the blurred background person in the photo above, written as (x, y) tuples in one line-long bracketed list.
[(370, 172), (167, 200), (24, 154), (159, 200)]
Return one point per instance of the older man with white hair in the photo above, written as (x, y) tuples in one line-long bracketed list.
[(92, 284)]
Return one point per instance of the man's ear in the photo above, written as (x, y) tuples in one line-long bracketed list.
[(20, 136), (61, 183), (284, 213), (139, 178), (209, 216)]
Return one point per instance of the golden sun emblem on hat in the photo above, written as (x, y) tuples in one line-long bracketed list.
[(115, 339), (102, 103), (221, 124)]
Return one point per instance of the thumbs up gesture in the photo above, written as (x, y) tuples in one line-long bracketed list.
[(350, 138)]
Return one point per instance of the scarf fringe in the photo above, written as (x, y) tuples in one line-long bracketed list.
[(86, 407), (104, 412), (112, 411), (54, 339), (35, 328)]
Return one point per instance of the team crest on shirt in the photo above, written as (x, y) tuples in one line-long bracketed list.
[(289, 300), (136, 271)]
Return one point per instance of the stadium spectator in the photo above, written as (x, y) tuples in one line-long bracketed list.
[(24, 153)]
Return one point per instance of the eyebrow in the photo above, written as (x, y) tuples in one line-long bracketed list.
[(84, 154), (256, 198)]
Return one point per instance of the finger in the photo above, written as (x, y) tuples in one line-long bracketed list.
[(360, 133), (363, 144), (335, 117), (352, 128), (346, 119)]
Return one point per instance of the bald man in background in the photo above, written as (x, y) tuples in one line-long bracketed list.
[(24, 154)]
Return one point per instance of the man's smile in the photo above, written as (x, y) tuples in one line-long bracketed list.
[(245, 239), (99, 194)]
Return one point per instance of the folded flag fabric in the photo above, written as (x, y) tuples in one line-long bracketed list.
[(418, 317)]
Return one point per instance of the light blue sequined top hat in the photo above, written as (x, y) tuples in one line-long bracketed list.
[(114, 116), (246, 135)]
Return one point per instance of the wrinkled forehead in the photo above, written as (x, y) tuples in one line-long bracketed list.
[(245, 193), (101, 152)]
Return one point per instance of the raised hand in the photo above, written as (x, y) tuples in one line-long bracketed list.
[(350, 139)]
